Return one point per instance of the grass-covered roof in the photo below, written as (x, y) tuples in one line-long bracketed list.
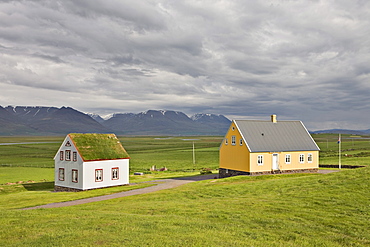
[(98, 146)]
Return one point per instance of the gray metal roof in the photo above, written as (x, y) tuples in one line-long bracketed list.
[(266, 136)]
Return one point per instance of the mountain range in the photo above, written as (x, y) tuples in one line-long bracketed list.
[(38, 120)]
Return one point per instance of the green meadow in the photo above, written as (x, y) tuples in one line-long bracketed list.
[(273, 210)]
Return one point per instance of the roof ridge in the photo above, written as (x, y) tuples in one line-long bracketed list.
[(256, 120)]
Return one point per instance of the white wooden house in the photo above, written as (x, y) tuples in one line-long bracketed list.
[(90, 161)]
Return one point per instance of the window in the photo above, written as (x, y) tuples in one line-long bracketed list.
[(68, 155), (74, 176), (61, 174), (287, 159), (61, 155), (241, 142), (74, 156), (301, 158), (233, 128), (226, 141), (260, 160), (68, 144), (98, 175), (233, 140), (115, 173), (309, 158)]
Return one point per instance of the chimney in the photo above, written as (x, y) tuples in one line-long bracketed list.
[(273, 118)]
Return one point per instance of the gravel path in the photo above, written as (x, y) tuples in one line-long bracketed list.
[(160, 185)]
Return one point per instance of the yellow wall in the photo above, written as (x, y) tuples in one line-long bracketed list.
[(294, 161), (235, 157)]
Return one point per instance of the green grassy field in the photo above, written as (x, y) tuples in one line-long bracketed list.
[(274, 210), (355, 149), (173, 152)]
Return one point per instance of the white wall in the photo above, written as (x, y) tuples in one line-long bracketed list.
[(106, 166)]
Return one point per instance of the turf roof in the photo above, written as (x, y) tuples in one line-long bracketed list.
[(98, 146)]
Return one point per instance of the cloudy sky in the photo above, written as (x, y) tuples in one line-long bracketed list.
[(247, 59)]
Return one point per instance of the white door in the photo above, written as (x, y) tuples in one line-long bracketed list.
[(275, 165)]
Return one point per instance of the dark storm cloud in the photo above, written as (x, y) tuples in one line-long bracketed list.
[(304, 60)]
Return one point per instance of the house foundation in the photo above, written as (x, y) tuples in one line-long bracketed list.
[(224, 173), (65, 189)]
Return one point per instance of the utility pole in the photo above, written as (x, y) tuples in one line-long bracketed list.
[(193, 154), (340, 156)]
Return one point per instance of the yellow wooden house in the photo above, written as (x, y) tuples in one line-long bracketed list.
[(263, 147)]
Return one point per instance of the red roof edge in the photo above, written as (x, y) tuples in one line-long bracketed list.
[(107, 159)]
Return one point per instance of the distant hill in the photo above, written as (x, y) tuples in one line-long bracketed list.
[(96, 117), (12, 125), (38, 120), (342, 131), (154, 122)]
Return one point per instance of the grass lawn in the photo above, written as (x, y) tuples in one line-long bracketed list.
[(276, 210), (26, 174), (272, 210)]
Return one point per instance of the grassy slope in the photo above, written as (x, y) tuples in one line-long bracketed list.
[(280, 210)]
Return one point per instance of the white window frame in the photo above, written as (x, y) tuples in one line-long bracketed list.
[(260, 160), (61, 174), (288, 158), (99, 175), (301, 158), (226, 142), (115, 173), (241, 142), (68, 155), (74, 156), (309, 158), (233, 140), (74, 175)]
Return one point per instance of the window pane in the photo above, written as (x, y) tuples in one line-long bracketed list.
[(98, 175), (287, 158), (260, 160), (74, 176), (68, 155), (115, 173), (61, 174)]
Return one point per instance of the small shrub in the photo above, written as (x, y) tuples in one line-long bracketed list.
[(205, 171)]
